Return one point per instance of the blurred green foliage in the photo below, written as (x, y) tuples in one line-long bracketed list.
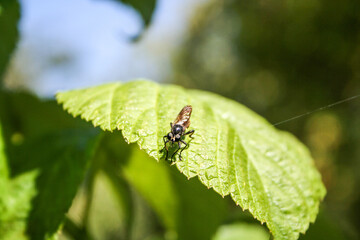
[(241, 231), (9, 16), (41, 144)]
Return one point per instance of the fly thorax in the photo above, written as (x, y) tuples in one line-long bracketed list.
[(177, 129)]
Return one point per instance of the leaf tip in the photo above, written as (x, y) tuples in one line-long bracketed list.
[(57, 96)]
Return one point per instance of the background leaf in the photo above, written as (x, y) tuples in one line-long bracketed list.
[(234, 150), (61, 170), (9, 17), (145, 8), (39, 191), (15, 197), (241, 231)]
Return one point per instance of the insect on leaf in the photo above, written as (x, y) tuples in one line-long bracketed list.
[(234, 151)]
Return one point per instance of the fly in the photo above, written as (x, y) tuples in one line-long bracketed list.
[(178, 130)]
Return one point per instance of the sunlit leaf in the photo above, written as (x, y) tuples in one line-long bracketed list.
[(183, 207), (234, 151)]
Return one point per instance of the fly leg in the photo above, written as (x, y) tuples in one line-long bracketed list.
[(165, 147), (176, 151), (182, 148), (165, 142), (190, 133)]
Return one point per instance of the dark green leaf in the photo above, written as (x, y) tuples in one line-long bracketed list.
[(15, 197), (61, 159), (144, 7), (9, 17), (45, 164)]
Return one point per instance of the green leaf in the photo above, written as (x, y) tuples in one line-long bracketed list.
[(61, 159), (234, 151), (45, 182), (144, 7), (3, 162), (241, 231), (107, 214), (15, 198), (9, 17), (44, 169), (182, 206)]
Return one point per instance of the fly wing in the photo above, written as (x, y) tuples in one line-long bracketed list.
[(183, 117)]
